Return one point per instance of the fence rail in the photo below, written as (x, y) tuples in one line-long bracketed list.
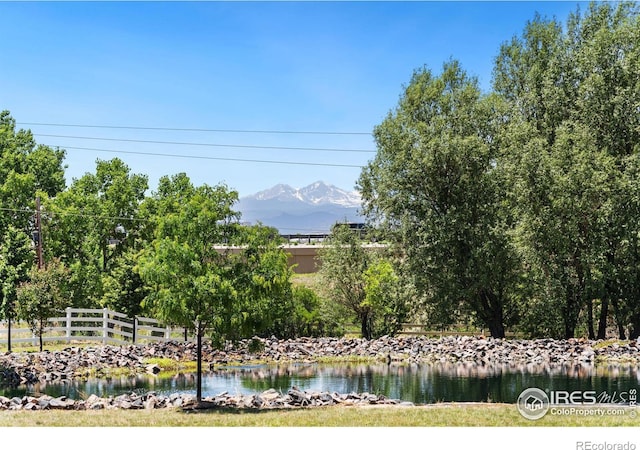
[(417, 329), (111, 327), (103, 325)]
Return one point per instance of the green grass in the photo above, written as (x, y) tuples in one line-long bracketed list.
[(439, 415), (310, 280), (609, 343), (172, 365)]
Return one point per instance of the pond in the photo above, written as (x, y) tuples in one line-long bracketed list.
[(429, 383)]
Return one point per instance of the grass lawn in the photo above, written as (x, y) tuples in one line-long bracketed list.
[(439, 415)]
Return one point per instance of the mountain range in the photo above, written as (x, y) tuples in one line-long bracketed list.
[(311, 209)]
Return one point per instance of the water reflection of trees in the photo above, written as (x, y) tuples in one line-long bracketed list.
[(442, 381), (425, 383)]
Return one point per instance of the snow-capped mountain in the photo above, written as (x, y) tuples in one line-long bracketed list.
[(311, 209), (318, 193), (281, 192)]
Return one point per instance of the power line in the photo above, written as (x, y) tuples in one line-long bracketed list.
[(68, 213), (211, 130), (207, 144), (173, 155)]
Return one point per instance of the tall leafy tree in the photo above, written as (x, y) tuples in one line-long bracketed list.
[(606, 40), (343, 264), (573, 137), (361, 282), (93, 223), (564, 193), (263, 280), (124, 289), (192, 283), (26, 168), (387, 297), (436, 186), (16, 260)]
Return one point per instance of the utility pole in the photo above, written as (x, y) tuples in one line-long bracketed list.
[(39, 231)]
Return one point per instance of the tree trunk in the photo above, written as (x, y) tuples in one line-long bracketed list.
[(41, 331), (199, 364), (634, 333), (365, 326), (569, 331), (571, 310), (611, 292), (602, 322), (621, 332), (570, 321), (618, 318), (9, 334), (492, 313), (592, 334), (497, 330)]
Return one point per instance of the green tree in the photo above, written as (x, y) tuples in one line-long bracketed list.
[(124, 289), (564, 193), (436, 186), (385, 294), (308, 320), (343, 262), (353, 278), (92, 223), (192, 282), (43, 296), (606, 40), (26, 169), (573, 96), (16, 259), (623, 254), (263, 280)]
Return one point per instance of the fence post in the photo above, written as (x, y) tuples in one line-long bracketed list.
[(135, 327), (68, 325), (167, 333), (105, 332)]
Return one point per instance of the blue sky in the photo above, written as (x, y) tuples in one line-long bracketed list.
[(251, 66)]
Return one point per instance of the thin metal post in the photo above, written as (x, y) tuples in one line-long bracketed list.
[(39, 229)]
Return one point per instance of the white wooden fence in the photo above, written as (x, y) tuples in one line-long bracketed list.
[(104, 325)]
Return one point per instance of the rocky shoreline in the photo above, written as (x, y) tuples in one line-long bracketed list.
[(99, 361), (269, 399), (80, 362)]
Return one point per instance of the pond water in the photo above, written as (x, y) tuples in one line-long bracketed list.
[(445, 382)]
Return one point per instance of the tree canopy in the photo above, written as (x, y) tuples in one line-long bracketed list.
[(437, 190), (519, 206), (515, 208), (26, 169)]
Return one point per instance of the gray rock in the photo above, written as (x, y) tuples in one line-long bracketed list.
[(153, 368), (58, 403)]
